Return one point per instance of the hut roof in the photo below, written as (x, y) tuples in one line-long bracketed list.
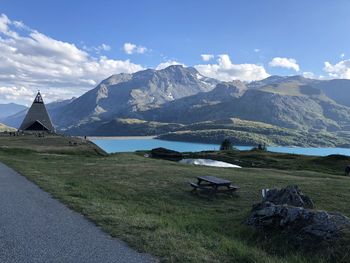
[(37, 118)]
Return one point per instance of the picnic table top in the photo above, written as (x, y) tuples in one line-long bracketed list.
[(214, 180)]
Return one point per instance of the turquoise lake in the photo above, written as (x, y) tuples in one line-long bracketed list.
[(133, 144)]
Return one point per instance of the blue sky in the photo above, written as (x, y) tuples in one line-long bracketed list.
[(245, 40)]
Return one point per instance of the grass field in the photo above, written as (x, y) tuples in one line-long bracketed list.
[(332, 164), (147, 202), (50, 144)]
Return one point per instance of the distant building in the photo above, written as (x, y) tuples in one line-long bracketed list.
[(37, 118)]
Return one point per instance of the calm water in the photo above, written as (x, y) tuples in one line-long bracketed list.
[(131, 145)]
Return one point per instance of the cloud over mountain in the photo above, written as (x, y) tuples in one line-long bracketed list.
[(225, 70), (13, 93), (30, 60), (339, 70), (207, 57), (288, 63), (168, 63)]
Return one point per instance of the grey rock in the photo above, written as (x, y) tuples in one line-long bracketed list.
[(286, 211), (291, 195), (299, 223)]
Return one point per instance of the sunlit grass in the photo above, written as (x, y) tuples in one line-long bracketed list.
[(148, 204)]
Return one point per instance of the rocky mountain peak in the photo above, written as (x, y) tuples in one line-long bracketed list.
[(181, 94), (276, 80), (116, 78), (234, 88)]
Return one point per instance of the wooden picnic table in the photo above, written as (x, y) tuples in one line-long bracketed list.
[(213, 185)]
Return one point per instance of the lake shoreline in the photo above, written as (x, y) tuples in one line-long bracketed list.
[(156, 137), (121, 137), (139, 143)]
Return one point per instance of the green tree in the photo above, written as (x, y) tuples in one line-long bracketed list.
[(260, 147), (226, 145)]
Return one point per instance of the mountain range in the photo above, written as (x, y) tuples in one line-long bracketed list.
[(180, 103), (10, 109)]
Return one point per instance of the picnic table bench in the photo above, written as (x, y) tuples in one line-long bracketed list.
[(213, 185)]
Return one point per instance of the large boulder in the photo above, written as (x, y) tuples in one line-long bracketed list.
[(301, 225), (287, 211)]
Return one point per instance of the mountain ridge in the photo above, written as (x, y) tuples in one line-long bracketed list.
[(9, 109), (124, 95), (178, 96)]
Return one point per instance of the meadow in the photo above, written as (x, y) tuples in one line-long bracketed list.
[(147, 202)]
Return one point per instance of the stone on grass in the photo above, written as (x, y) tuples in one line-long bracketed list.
[(288, 211), (291, 195)]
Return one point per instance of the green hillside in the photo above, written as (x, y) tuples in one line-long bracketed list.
[(242, 132), (124, 127), (4, 128)]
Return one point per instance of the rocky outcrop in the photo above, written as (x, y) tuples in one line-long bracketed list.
[(304, 226), (291, 195), (288, 211)]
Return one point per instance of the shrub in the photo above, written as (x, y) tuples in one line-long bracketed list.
[(226, 145), (260, 147)]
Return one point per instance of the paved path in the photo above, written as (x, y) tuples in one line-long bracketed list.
[(37, 228)]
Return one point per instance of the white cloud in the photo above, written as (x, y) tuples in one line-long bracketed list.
[(207, 57), (342, 55), (31, 60), (98, 49), (256, 50), (4, 21), (168, 63), (104, 47), (130, 48), (225, 70), (289, 63), (15, 93), (339, 70), (309, 75), (19, 24)]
